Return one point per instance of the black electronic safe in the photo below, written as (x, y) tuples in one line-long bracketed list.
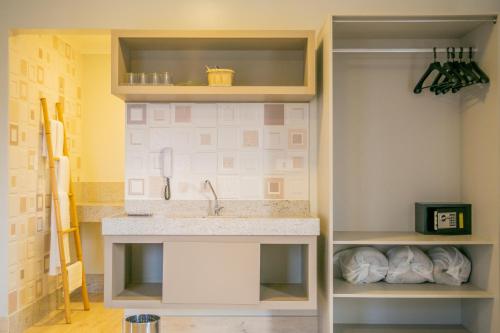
[(443, 218)]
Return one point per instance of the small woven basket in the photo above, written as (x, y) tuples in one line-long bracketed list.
[(220, 77)]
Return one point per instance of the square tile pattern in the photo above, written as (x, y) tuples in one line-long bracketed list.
[(38, 67), (249, 151)]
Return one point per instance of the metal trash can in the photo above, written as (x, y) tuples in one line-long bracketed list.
[(143, 323)]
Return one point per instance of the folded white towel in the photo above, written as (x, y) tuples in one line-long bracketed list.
[(75, 276), (62, 174), (55, 264), (57, 136)]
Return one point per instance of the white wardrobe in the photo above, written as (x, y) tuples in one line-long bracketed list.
[(382, 148)]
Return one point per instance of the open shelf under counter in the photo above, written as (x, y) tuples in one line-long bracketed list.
[(270, 292), (373, 328), (344, 289), (141, 292), (403, 238)]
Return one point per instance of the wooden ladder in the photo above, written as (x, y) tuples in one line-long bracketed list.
[(74, 226)]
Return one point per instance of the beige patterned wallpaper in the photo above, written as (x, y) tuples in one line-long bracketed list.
[(40, 66)]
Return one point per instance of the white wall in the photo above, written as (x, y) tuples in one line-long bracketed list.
[(391, 148), (174, 14), (103, 118), (214, 13)]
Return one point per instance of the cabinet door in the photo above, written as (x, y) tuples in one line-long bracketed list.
[(211, 273)]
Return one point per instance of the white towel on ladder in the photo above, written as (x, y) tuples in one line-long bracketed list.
[(55, 263), (75, 276), (62, 174), (57, 136)]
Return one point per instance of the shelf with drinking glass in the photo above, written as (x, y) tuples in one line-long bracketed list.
[(269, 65)]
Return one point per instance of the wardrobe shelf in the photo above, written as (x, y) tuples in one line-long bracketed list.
[(400, 27), (403, 238), (373, 328), (344, 289)]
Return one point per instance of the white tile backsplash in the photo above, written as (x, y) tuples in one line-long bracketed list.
[(182, 114), (296, 114), (275, 137), (206, 139), (228, 187), (182, 139), (250, 187), (181, 165), (228, 162), (205, 115), (204, 163), (228, 115), (159, 115), (227, 143), (250, 162), (250, 114), (137, 139), (227, 138), (159, 138)]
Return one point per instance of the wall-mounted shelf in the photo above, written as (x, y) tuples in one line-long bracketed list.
[(343, 289), (349, 328), (274, 66), (403, 238)]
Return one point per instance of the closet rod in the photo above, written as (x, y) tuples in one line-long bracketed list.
[(427, 50), (489, 19)]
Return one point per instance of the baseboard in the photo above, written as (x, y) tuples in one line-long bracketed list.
[(95, 283), (4, 324), (26, 317)]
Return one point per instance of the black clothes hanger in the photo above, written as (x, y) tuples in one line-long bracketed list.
[(483, 78), (462, 80), (434, 66), (471, 77), (453, 74), (449, 78)]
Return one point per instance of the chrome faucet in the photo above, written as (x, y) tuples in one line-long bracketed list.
[(217, 208)]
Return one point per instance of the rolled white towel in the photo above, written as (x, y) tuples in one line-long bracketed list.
[(451, 266), (408, 264), (360, 265), (54, 263)]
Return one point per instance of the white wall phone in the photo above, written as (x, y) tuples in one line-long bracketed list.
[(166, 169)]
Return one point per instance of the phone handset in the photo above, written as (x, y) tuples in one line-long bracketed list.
[(166, 169)]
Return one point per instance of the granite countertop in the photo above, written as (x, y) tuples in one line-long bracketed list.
[(209, 226), (96, 211)]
